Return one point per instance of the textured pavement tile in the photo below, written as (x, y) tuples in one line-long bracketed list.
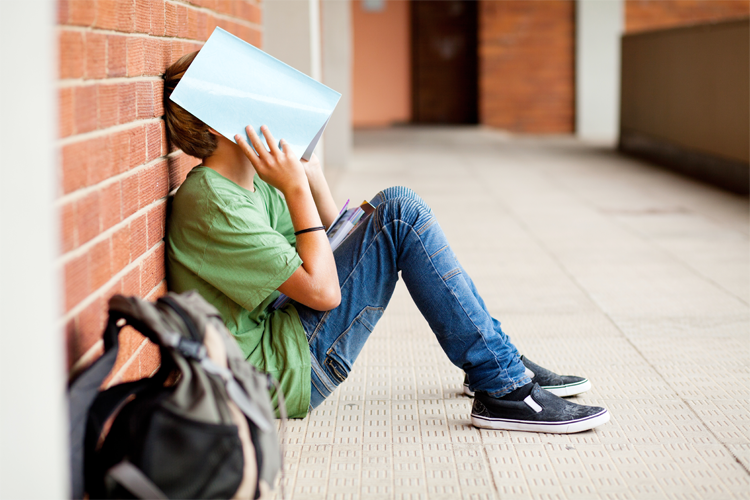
[(596, 264)]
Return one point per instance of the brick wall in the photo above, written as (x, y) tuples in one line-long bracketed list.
[(116, 170), (526, 65), (643, 15)]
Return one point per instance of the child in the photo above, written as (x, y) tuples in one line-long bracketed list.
[(235, 239)]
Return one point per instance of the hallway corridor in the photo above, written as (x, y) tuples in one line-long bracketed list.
[(596, 264)]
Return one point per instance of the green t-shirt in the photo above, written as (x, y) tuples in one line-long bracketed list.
[(236, 247)]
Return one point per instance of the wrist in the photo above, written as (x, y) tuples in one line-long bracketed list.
[(295, 190)]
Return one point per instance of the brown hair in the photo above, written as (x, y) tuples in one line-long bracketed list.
[(184, 130)]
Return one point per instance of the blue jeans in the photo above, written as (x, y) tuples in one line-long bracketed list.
[(403, 235)]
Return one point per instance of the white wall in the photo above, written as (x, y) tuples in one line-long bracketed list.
[(338, 49), (292, 33), (33, 417), (599, 26)]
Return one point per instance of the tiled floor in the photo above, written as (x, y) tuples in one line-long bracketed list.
[(596, 264)]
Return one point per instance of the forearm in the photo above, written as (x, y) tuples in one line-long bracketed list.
[(321, 194), (313, 248)]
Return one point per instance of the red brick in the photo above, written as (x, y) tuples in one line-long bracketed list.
[(154, 137), (182, 21), (224, 6), (251, 13), (136, 47), (138, 237), (191, 24), (85, 101), (76, 279), (142, 16), (74, 165), (87, 217), (71, 54), (120, 249), (157, 17), (68, 227), (535, 42), (99, 262), (131, 282), (109, 104), (114, 289), (116, 55), (110, 205), (157, 217), (71, 342), (201, 25), (146, 186), (106, 14), (98, 163), (90, 325), (144, 100), (152, 56), (127, 103), (643, 15), (157, 89), (96, 55), (63, 11), (82, 12), (211, 23), (129, 195), (66, 112), (171, 21), (149, 359), (152, 270), (86, 163), (120, 147), (158, 291), (137, 146)]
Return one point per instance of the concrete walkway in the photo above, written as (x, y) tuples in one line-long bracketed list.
[(596, 264)]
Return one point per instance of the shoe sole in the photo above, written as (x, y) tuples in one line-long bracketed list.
[(561, 391), (568, 427)]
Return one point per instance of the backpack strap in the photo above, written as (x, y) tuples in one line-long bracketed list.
[(131, 477), (81, 395)]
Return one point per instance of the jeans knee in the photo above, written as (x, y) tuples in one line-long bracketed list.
[(412, 211), (393, 192)]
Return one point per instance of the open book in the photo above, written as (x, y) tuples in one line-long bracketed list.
[(231, 84), (342, 226)]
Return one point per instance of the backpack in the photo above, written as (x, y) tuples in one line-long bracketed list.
[(208, 434)]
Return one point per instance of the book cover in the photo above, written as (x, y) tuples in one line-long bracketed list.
[(231, 84)]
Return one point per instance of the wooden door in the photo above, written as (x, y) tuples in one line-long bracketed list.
[(444, 61)]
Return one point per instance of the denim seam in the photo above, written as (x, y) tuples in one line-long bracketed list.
[(451, 274), (479, 330), (516, 385), (318, 327), (436, 253), (320, 391), (322, 375), (427, 225), (351, 325)]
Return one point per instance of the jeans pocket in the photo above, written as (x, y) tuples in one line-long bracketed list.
[(337, 370), (342, 353)]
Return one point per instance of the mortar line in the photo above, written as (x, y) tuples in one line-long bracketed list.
[(102, 132)]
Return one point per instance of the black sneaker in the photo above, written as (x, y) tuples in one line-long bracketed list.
[(559, 385), (540, 411)]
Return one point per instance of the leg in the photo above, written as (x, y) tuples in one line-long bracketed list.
[(403, 235)]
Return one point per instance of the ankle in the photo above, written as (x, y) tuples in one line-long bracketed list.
[(518, 394)]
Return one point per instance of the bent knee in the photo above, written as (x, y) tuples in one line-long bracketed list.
[(413, 211)]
